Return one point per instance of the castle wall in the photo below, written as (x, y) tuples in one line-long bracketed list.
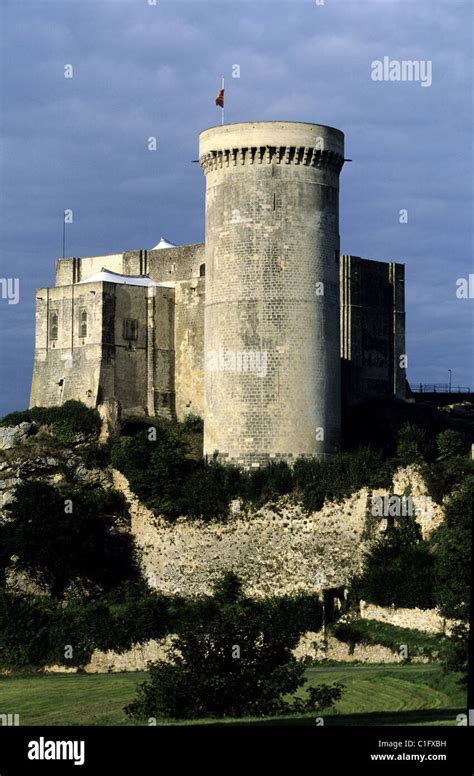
[(125, 358), (67, 366), (165, 264), (161, 352), (189, 338), (73, 270), (127, 351), (372, 328), (272, 352)]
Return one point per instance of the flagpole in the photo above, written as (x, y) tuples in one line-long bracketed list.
[(224, 98)]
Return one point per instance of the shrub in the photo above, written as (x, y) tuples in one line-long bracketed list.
[(193, 423), (95, 456), (35, 629), (209, 489), (412, 444), (443, 477), (69, 420), (171, 483), (266, 483), (235, 662), (15, 418), (25, 627), (339, 476), (449, 444)]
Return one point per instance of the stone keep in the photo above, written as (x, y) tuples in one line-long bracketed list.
[(253, 315), (271, 323)]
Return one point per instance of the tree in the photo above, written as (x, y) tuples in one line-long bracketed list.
[(449, 444), (60, 538), (399, 569), (234, 661), (452, 542), (411, 444)]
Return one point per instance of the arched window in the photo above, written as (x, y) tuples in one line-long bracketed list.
[(53, 326), (83, 324), (202, 270)]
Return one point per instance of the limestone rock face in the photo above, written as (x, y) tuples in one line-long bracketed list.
[(12, 436), (111, 415)]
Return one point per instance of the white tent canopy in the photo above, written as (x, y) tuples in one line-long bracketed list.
[(163, 244)]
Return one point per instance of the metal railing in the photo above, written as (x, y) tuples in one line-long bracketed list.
[(439, 388)]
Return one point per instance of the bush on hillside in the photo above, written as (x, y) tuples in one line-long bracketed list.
[(67, 421), (233, 663), (412, 444), (445, 476), (449, 444), (338, 477)]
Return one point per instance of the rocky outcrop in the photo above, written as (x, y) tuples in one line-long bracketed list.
[(111, 416), (12, 436)]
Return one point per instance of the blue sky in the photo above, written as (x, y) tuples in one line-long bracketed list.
[(142, 70)]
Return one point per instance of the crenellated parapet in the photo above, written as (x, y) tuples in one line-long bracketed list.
[(305, 156)]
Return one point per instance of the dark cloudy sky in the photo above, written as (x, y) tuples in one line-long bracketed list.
[(142, 70)]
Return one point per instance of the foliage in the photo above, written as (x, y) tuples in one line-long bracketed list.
[(339, 476), (193, 423), (67, 421), (451, 542), (167, 480), (443, 477), (269, 482), (399, 569), (236, 661), (376, 423), (449, 444), (35, 629), (95, 456), (412, 444), (15, 418), (64, 538)]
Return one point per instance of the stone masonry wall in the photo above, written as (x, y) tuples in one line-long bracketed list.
[(272, 352), (189, 347)]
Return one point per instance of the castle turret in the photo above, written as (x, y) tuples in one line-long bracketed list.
[(272, 343)]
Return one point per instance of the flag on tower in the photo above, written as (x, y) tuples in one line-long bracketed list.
[(220, 99)]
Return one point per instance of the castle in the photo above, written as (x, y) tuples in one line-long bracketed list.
[(263, 330)]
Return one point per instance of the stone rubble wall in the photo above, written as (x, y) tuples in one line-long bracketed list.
[(428, 620)]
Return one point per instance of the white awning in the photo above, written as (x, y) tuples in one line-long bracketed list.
[(107, 276)]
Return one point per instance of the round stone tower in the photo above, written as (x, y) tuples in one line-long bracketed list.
[(271, 342)]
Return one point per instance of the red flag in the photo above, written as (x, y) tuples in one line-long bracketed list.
[(220, 98)]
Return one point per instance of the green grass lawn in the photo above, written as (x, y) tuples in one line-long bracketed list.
[(374, 695)]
